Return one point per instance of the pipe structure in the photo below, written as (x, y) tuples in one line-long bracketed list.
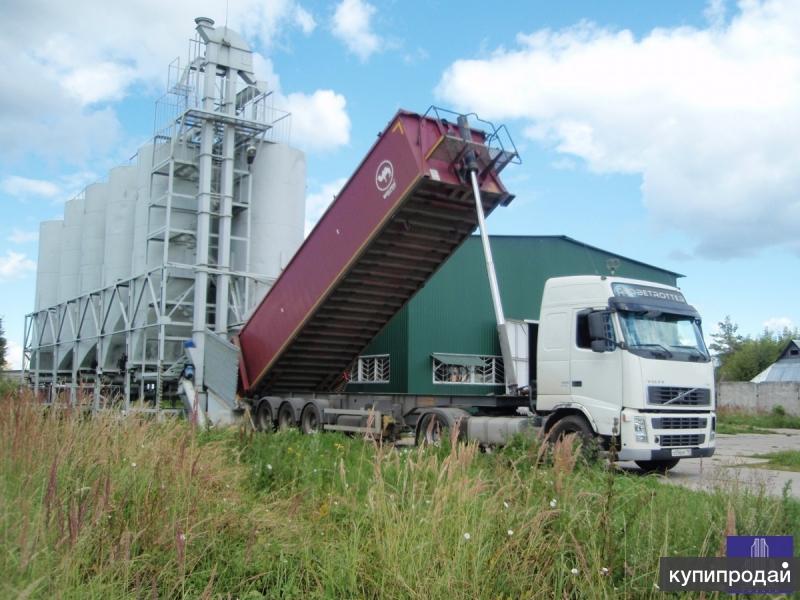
[(206, 165), (226, 206), (471, 163)]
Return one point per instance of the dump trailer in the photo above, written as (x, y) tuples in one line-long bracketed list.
[(615, 360), (409, 205)]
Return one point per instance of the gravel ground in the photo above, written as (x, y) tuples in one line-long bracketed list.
[(726, 468)]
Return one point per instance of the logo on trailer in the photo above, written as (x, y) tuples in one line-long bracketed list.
[(384, 178)]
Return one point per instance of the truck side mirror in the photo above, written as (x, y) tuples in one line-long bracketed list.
[(599, 331)]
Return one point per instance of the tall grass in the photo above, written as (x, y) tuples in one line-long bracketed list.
[(109, 507), (114, 508), (734, 420)]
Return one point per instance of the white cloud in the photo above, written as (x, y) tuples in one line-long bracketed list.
[(709, 118), (319, 120), (13, 355), (24, 188), (67, 61), (100, 82), (715, 13), (18, 236), (61, 189), (318, 203), (15, 265), (304, 20), (352, 25), (778, 324)]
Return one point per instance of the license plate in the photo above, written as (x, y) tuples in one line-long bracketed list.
[(682, 452)]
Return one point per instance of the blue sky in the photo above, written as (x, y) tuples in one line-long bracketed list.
[(667, 132)]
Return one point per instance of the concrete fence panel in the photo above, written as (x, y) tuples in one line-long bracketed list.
[(760, 397)]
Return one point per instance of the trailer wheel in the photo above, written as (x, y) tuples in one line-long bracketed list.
[(657, 466), (578, 426), (311, 419), (285, 417), (263, 417), (430, 430)]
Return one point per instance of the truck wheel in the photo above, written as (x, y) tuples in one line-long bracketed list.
[(579, 427), (310, 419), (285, 417), (657, 466), (263, 417), (431, 429)]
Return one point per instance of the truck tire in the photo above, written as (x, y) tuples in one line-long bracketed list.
[(311, 419), (578, 426), (431, 430), (285, 417), (263, 417), (657, 466)]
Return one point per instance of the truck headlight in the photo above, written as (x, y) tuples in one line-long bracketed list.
[(640, 429), (713, 427)]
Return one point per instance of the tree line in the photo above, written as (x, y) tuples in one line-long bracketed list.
[(743, 357)]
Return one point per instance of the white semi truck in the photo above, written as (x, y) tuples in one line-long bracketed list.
[(625, 360), (617, 360)]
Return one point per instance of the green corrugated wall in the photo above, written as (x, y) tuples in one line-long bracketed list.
[(453, 313)]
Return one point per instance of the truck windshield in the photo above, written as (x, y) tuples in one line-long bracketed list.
[(664, 336)]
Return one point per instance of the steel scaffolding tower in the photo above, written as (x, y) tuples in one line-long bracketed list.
[(125, 343)]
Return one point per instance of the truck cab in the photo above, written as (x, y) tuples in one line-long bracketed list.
[(625, 359)]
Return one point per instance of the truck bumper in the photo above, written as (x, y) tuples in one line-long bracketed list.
[(663, 453), (663, 439)]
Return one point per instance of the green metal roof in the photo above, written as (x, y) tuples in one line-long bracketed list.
[(585, 245)]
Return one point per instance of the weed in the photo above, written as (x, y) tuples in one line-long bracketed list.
[(732, 421), (113, 508), (786, 460)]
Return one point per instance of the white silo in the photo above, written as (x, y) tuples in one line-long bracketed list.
[(277, 211), (120, 212), (93, 235), (48, 264), (119, 224), (144, 164), (69, 270)]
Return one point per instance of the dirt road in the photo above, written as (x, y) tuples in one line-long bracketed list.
[(726, 468)]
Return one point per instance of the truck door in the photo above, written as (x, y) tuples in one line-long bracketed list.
[(552, 364), (595, 377)]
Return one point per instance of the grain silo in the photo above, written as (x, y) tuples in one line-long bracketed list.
[(70, 250), (48, 264), (119, 225), (175, 246)]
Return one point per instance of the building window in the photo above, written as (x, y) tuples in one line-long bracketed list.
[(371, 369), (468, 369)]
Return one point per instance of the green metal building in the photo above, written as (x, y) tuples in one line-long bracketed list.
[(447, 331)]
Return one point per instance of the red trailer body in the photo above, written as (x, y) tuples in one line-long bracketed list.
[(396, 221)]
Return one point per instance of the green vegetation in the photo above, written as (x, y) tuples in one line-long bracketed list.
[(737, 421), (112, 508), (6, 385), (3, 346), (744, 357), (787, 460)]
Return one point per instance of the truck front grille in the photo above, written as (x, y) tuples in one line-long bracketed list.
[(674, 441), (680, 423), (685, 396)]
